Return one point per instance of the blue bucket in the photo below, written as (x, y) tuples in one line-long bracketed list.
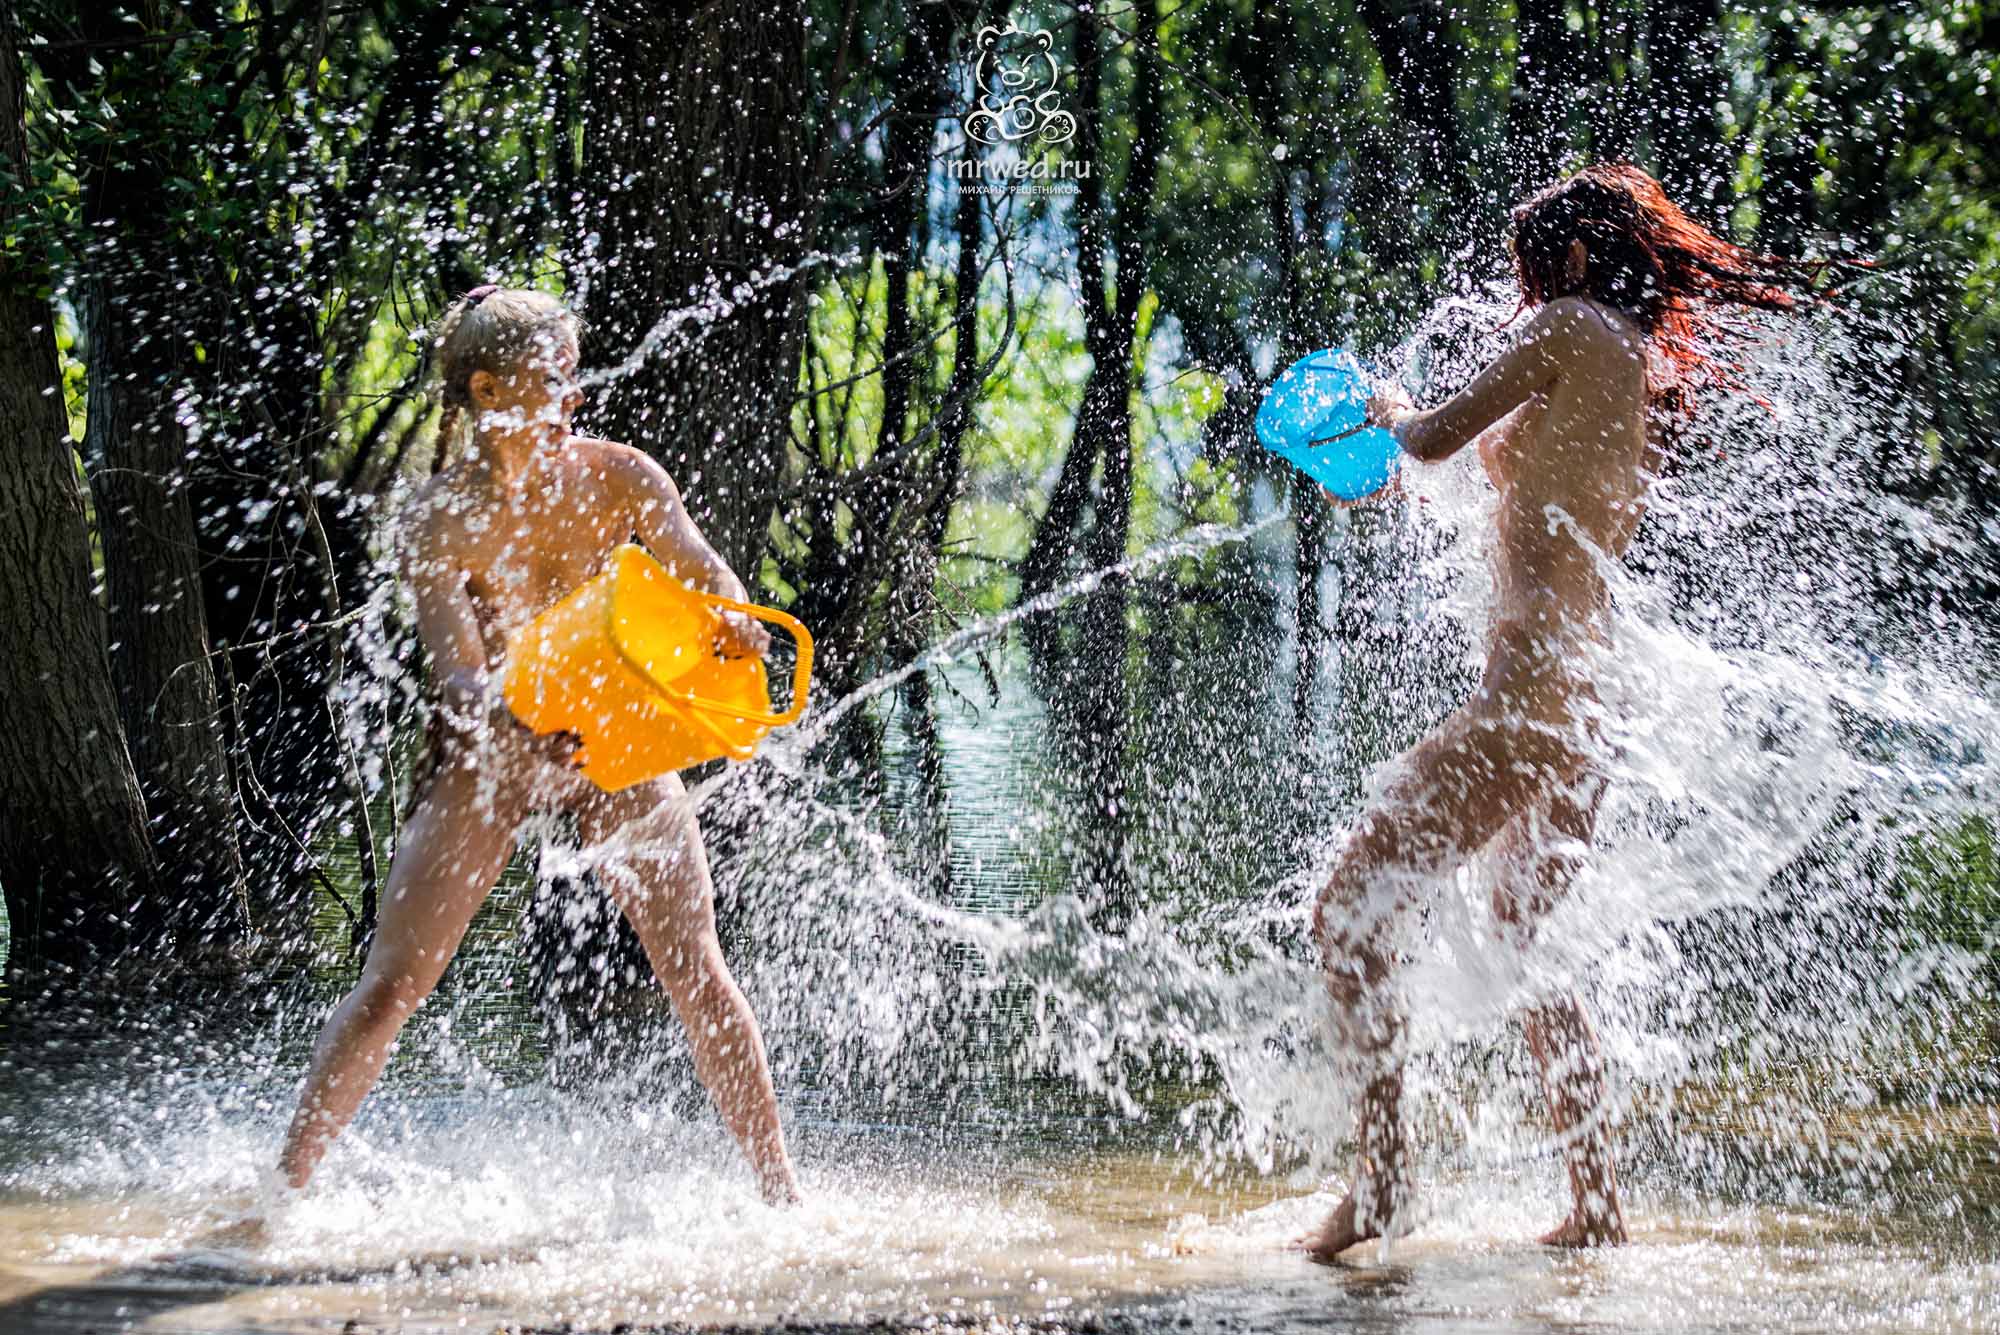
[(1313, 415)]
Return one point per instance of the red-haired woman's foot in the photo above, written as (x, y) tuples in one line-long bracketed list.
[(1343, 1228), (1586, 1230), (780, 1190)]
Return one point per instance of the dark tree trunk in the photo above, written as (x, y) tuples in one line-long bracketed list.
[(1431, 155), (278, 566), (1109, 382), (139, 365), (1303, 327), (843, 581), (73, 844), (161, 667), (1312, 517), (921, 573), (1685, 79), (1550, 61), (963, 388), (1096, 706), (276, 557), (1103, 432), (1133, 215), (689, 277), (696, 158)]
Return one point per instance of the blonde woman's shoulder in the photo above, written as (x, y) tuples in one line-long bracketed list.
[(434, 515), (621, 463)]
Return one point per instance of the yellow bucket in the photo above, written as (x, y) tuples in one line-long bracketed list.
[(627, 662)]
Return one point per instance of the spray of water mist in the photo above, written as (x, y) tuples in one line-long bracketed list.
[(1765, 768), (1738, 728)]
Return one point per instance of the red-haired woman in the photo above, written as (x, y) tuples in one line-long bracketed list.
[(1625, 290)]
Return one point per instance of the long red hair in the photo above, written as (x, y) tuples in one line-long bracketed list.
[(1648, 257)]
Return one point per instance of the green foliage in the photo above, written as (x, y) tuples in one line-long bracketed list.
[(1949, 880), (1328, 171), (1874, 128)]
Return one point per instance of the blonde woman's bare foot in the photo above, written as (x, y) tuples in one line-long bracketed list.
[(1337, 1234), (249, 1227), (1581, 1230)]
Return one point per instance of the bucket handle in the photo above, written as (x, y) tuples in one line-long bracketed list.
[(801, 671)]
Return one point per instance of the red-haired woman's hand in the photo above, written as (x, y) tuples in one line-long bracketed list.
[(1388, 406)]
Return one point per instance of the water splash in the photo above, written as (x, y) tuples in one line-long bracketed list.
[(1782, 727)]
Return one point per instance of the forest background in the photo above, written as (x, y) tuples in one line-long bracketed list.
[(895, 404)]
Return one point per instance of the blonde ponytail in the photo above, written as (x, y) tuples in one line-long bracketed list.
[(447, 435)]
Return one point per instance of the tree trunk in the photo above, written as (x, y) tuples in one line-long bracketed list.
[(1103, 431), (1311, 517), (843, 581), (1108, 381), (160, 660), (1420, 63), (1550, 59), (1095, 722), (1135, 207), (962, 390), (72, 824), (1685, 79), (689, 279), (696, 155)]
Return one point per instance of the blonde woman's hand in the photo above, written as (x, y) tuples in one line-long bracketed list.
[(742, 636), (558, 748)]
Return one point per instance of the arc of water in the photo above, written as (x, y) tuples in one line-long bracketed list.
[(808, 734)]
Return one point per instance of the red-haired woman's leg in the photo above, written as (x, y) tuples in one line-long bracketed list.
[(1452, 793), (1539, 858)]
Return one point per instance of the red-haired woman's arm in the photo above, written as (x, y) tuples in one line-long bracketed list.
[(1554, 338)]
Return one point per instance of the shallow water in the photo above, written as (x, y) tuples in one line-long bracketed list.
[(596, 1223)]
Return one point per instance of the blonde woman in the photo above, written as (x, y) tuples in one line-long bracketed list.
[(526, 514)]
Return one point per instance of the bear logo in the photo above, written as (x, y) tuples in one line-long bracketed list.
[(1015, 73)]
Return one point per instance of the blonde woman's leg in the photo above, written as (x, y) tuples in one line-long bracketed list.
[(452, 851), (649, 857)]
